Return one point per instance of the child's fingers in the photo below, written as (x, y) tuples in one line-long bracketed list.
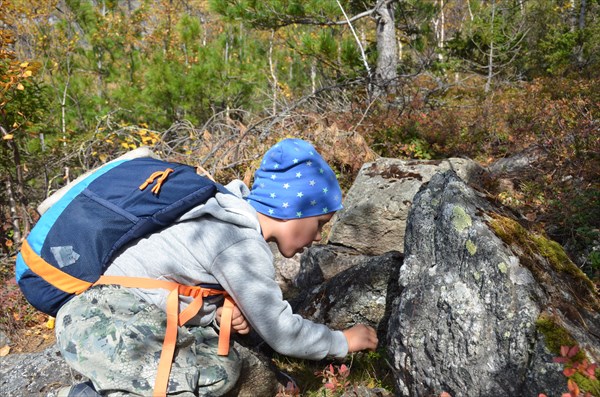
[(361, 337)]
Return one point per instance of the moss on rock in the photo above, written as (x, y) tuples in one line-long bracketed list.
[(512, 233), (555, 335)]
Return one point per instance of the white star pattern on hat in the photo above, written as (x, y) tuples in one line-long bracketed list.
[(294, 182)]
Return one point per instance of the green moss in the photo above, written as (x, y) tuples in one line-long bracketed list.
[(460, 219), (471, 247), (588, 385), (511, 232), (369, 369), (556, 336)]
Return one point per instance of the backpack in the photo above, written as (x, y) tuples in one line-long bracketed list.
[(73, 242)]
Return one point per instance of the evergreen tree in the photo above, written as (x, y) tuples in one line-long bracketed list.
[(276, 14)]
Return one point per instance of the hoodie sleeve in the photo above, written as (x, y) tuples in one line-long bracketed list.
[(245, 270)]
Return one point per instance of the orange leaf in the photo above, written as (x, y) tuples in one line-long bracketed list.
[(573, 387), (569, 372), (444, 394), (4, 350)]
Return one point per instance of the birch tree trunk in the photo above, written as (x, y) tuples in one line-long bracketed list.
[(272, 68), (18, 211), (490, 66), (386, 73)]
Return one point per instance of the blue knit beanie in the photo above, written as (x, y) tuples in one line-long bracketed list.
[(294, 181)]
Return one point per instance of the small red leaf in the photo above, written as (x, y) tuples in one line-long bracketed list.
[(569, 372), (564, 350), (573, 351)]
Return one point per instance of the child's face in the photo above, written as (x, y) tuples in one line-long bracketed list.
[(297, 234)]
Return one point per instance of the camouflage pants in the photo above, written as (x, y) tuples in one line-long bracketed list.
[(115, 339)]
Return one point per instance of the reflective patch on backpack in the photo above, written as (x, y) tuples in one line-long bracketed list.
[(64, 256)]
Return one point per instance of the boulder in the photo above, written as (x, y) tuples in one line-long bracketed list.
[(485, 304), (322, 262), (376, 207), (45, 373), (362, 293), (36, 374)]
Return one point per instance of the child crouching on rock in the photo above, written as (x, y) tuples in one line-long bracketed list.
[(114, 335)]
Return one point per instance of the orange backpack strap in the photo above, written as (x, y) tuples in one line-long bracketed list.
[(225, 329), (61, 280), (174, 318)]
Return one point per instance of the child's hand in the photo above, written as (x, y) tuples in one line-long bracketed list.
[(361, 337), (238, 321)]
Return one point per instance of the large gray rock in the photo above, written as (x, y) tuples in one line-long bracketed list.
[(473, 315), (359, 294), (322, 262), (376, 207), (36, 374), (258, 377), (44, 373)]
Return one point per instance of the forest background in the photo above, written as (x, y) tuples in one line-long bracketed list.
[(214, 83)]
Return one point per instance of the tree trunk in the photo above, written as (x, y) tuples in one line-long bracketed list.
[(272, 68), (582, 11), (490, 67), (16, 195), (386, 73), (14, 213)]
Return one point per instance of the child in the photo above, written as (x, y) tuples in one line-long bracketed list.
[(114, 335)]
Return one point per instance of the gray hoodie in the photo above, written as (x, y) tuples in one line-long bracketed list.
[(221, 242)]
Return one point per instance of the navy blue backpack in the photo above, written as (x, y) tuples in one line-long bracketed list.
[(72, 244)]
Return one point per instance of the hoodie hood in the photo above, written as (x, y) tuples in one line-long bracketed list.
[(230, 208)]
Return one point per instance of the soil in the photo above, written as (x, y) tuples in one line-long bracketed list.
[(32, 340)]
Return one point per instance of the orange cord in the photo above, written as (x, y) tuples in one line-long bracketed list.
[(161, 175)]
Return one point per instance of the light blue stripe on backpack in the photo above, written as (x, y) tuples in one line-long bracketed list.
[(38, 234)]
